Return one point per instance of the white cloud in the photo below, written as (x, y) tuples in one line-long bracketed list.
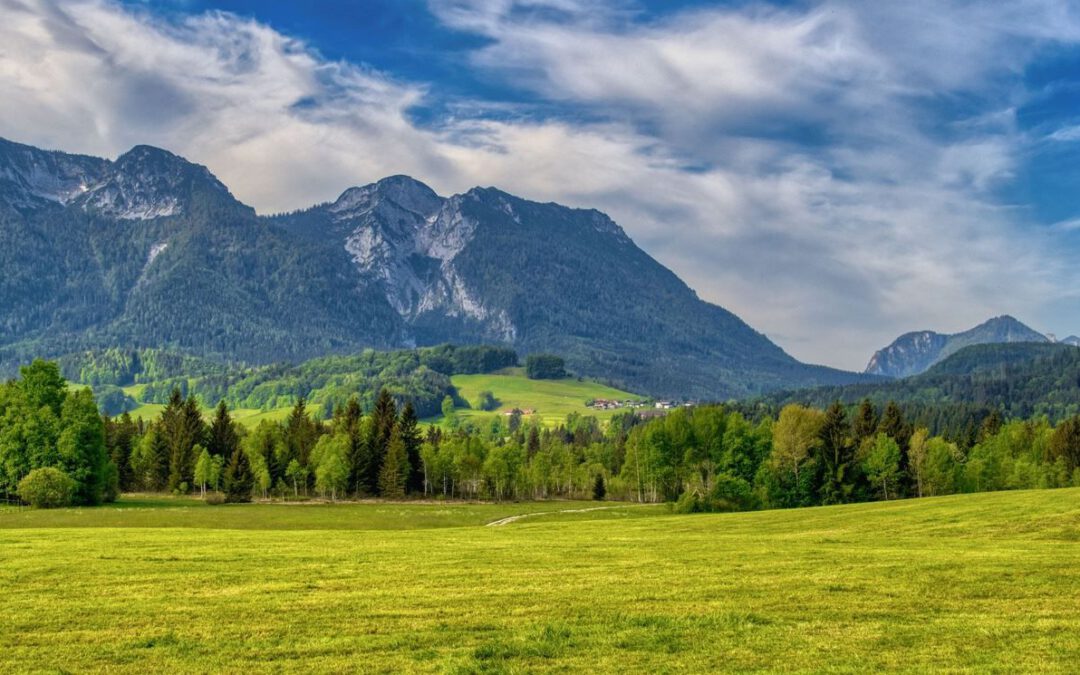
[(1067, 134), (862, 225)]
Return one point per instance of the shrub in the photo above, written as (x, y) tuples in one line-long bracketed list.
[(47, 488), (214, 498)]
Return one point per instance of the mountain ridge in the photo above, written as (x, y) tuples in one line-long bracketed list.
[(915, 352), (150, 250)]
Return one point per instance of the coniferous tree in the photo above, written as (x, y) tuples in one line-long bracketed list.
[(865, 424), (836, 452), (895, 426), (238, 479), (383, 421), (301, 434), (120, 437), (409, 430), (599, 490), (222, 438), (394, 474)]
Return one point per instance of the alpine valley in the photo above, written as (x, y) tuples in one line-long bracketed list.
[(151, 250)]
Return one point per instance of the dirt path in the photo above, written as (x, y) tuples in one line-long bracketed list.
[(512, 519)]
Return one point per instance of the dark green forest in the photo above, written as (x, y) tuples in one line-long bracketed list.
[(55, 448), (1020, 380)]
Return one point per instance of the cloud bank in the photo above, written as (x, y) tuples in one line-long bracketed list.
[(829, 173)]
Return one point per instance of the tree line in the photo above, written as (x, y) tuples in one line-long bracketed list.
[(705, 458)]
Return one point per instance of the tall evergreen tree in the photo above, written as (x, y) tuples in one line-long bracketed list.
[(409, 428), (394, 474), (183, 428), (865, 424), (301, 434), (222, 438), (120, 436), (895, 426), (836, 452), (384, 421), (238, 479)]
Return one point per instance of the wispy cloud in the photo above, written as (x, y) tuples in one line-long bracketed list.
[(805, 167)]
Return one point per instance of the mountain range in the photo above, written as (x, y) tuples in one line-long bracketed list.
[(1018, 379), (151, 250), (914, 353)]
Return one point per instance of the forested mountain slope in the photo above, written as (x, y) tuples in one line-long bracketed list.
[(152, 251)]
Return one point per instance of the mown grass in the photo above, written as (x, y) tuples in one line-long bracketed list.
[(552, 400), (979, 583)]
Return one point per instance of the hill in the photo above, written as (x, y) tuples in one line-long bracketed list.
[(967, 583), (152, 251), (141, 381), (1018, 379), (914, 353), (552, 400)]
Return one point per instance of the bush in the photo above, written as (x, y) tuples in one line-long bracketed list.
[(731, 493), (214, 498), (486, 402), (47, 488)]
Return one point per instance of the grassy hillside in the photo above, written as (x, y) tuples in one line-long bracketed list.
[(973, 583), (552, 400)]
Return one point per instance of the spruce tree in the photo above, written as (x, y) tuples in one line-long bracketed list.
[(866, 422), (384, 420), (835, 452), (222, 439), (301, 434), (409, 429), (394, 474), (238, 479), (599, 490)]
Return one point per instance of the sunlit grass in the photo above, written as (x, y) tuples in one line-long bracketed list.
[(979, 583)]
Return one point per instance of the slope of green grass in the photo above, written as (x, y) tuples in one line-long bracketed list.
[(979, 583), (552, 400), (248, 417)]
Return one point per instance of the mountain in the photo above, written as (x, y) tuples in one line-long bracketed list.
[(913, 353), (1071, 340), (151, 250), (1021, 379)]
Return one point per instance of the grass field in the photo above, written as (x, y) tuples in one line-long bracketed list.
[(248, 417), (979, 583), (552, 400)]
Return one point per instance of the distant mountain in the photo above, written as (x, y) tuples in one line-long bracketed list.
[(1021, 379), (153, 251), (914, 353), (1071, 340)]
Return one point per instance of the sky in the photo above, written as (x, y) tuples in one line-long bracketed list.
[(836, 173)]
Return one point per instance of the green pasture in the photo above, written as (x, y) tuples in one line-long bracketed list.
[(973, 583)]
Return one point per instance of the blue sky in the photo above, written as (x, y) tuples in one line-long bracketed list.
[(835, 172)]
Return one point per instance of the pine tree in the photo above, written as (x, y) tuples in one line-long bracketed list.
[(599, 490), (409, 429), (222, 439), (394, 474), (238, 478), (836, 453), (183, 428), (866, 422), (384, 420), (301, 434)]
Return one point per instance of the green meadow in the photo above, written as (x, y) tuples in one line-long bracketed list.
[(972, 583), (552, 400)]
